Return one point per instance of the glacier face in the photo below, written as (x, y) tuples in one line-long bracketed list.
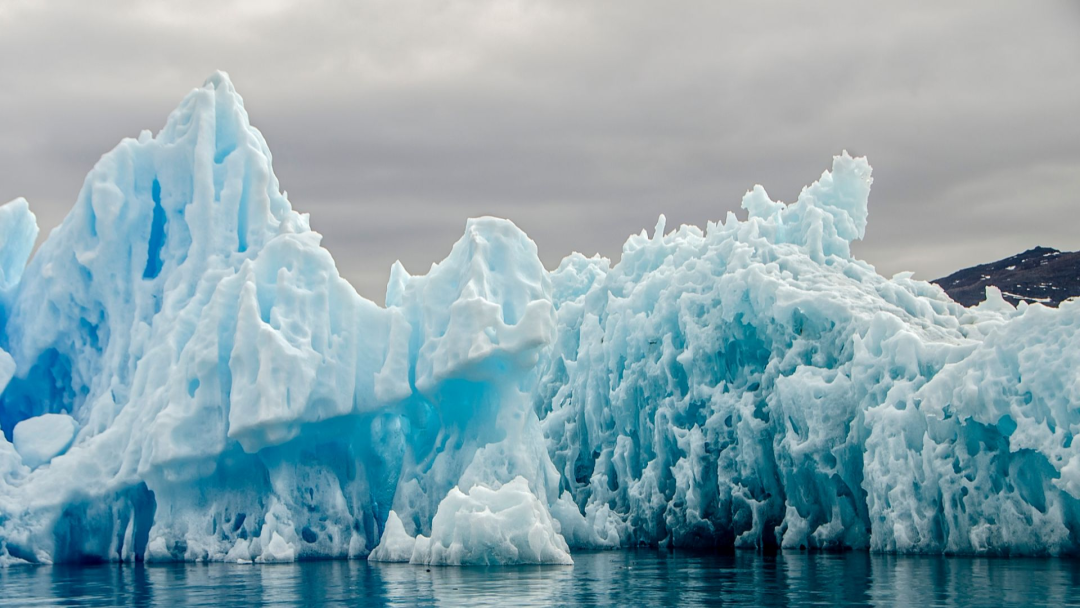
[(185, 376)]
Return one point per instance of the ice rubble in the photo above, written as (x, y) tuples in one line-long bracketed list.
[(508, 525), (186, 377)]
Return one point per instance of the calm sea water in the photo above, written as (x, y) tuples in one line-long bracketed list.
[(629, 578)]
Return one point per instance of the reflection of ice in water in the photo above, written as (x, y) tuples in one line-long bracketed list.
[(924, 581), (477, 586), (635, 578)]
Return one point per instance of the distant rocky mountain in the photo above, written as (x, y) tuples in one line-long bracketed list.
[(1043, 275)]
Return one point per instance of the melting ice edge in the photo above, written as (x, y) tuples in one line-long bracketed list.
[(185, 376)]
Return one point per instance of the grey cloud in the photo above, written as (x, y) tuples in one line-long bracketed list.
[(392, 122)]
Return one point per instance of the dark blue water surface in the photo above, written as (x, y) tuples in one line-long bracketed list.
[(629, 578)]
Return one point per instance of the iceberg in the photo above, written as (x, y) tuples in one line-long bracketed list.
[(185, 376)]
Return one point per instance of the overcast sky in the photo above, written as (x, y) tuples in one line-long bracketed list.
[(393, 121)]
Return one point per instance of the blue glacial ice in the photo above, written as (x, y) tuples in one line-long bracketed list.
[(186, 376)]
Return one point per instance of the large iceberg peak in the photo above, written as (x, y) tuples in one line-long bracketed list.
[(229, 164), (158, 223)]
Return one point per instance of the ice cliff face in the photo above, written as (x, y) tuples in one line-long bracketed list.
[(185, 376)]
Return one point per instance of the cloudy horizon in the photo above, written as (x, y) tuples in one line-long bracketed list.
[(393, 122)]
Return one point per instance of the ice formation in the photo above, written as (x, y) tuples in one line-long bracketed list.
[(185, 376), (42, 438), (507, 525)]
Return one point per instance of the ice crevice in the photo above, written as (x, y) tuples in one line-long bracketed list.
[(184, 375)]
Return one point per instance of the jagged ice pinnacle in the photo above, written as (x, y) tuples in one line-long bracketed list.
[(185, 376)]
